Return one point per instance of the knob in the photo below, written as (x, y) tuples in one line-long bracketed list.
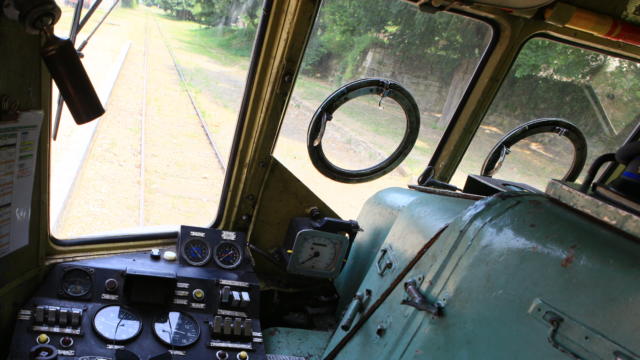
[(43, 352)]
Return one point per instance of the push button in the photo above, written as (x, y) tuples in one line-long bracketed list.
[(242, 355), (66, 342), (198, 294), (43, 339), (222, 355)]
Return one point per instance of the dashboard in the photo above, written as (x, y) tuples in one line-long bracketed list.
[(198, 302)]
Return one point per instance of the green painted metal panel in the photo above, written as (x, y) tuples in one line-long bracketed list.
[(416, 223), (295, 342), (496, 262), (376, 218)]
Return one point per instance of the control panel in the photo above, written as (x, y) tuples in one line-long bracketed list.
[(200, 301)]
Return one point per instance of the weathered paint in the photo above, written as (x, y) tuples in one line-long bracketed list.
[(489, 266)]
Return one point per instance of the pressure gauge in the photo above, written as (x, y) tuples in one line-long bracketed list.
[(318, 254)]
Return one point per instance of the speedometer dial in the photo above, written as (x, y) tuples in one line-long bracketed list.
[(228, 255), (196, 252), (176, 329), (115, 323)]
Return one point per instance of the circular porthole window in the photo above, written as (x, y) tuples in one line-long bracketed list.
[(363, 130)]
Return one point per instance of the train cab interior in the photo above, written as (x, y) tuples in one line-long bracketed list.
[(319, 179)]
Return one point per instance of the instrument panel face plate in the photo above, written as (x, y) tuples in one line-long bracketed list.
[(318, 254)]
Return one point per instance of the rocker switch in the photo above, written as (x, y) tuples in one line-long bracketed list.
[(245, 299), (235, 298)]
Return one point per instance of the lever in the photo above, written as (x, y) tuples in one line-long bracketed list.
[(419, 301)]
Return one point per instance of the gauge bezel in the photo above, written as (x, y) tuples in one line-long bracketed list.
[(93, 324), (294, 266), (65, 273), (196, 263), (155, 333), (225, 266)]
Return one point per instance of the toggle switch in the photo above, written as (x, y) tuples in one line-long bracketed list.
[(63, 317), (226, 330), (247, 328), (237, 327), (217, 324), (225, 293), (38, 316), (76, 317), (51, 315)]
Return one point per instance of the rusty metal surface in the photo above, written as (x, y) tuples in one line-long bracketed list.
[(611, 215)]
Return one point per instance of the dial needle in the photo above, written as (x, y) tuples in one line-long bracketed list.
[(315, 255)]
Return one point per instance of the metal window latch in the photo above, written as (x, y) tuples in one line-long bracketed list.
[(419, 301)]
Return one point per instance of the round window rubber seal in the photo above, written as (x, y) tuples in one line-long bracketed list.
[(562, 127), (383, 88)]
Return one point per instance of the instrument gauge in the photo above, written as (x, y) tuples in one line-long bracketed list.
[(318, 254), (196, 252), (115, 323), (176, 329), (227, 255), (76, 282)]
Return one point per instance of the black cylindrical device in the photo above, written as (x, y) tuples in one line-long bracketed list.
[(72, 80)]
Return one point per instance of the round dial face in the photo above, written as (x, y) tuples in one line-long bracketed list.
[(318, 253), (227, 255), (76, 282), (176, 329), (115, 323), (197, 252)]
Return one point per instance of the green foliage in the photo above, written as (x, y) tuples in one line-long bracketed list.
[(129, 4), (558, 61)]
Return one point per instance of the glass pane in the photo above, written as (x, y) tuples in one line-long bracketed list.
[(171, 76), (433, 56), (596, 92)]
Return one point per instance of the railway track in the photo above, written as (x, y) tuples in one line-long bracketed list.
[(151, 160)]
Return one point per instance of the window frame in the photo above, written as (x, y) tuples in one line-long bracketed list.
[(256, 53), (609, 169)]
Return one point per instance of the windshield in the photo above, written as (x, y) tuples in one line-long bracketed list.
[(433, 56), (598, 93), (171, 76)]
